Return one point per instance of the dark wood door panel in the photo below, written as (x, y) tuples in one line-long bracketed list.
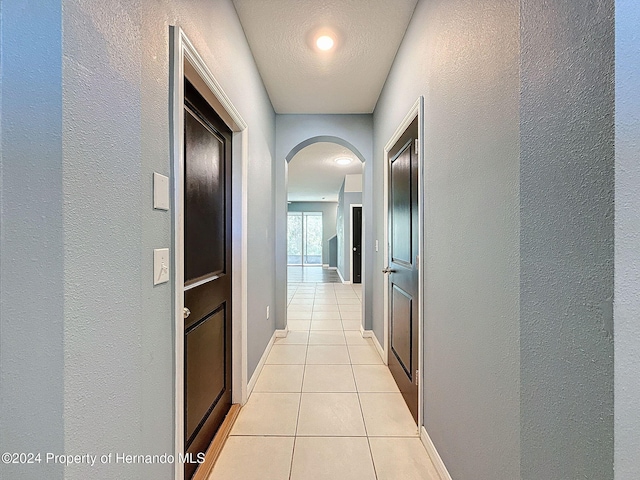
[(205, 298), (401, 228), (204, 218), (356, 228), (205, 369), (403, 278), (402, 330), (207, 295)]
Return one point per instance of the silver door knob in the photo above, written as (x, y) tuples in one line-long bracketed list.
[(186, 312), (388, 270)]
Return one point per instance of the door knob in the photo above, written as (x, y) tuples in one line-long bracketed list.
[(388, 270), (186, 312)]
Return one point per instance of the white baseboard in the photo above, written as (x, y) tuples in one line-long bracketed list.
[(263, 359), (346, 282), (370, 334), (376, 344), (434, 455), (325, 265), (282, 333), (333, 268)]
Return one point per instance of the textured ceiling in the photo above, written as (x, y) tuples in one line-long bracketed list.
[(301, 79), (314, 176)]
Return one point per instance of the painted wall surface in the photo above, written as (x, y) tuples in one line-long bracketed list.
[(329, 210), (78, 221), (517, 385), (31, 235), (462, 56), (291, 131), (353, 183), (116, 124), (566, 247), (627, 251), (340, 232), (333, 251)]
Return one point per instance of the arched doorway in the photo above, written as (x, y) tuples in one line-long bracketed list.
[(324, 203)]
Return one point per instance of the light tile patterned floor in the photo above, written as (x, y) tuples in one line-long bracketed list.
[(325, 406)]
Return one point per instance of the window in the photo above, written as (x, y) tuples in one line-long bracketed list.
[(304, 239)]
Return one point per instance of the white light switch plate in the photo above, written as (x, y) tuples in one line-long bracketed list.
[(160, 265), (160, 192)]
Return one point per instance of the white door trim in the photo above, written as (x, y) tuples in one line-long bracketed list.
[(416, 111), (185, 61), (351, 241)]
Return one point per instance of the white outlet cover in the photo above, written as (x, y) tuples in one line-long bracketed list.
[(160, 192), (160, 265)]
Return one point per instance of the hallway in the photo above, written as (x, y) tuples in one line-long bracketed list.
[(324, 406), (527, 319)]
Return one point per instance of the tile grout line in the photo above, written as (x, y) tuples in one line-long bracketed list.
[(304, 373), (373, 463), (295, 433), (308, 344), (366, 431)]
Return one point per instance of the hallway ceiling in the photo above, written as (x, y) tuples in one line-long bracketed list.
[(314, 174), (347, 79)]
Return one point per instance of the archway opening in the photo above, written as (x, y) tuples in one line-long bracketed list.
[(324, 185)]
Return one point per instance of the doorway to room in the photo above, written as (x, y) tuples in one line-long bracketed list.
[(209, 141), (403, 265), (356, 243), (207, 272), (324, 179)]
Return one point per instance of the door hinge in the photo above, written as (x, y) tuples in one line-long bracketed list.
[(417, 143), (417, 377)]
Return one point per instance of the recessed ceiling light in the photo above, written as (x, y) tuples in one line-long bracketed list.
[(324, 42), (343, 160)]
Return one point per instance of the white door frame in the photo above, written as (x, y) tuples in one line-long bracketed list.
[(351, 241), (416, 111), (185, 61)]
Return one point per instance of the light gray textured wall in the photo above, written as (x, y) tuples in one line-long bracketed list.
[(291, 130), (462, 55), (566, 248), (329, 211), (340, 230), (105, 279), (119, 330), (79, 224), (627, 243), (31, 235)]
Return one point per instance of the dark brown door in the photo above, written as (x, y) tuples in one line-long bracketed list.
[(356, 228), (403, 266), (207, 273)]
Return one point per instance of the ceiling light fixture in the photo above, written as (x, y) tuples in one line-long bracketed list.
[(324, 42), (343, 160)]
